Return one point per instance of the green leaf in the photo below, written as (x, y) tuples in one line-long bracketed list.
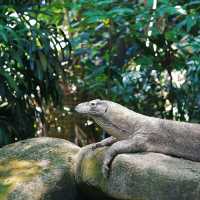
[(99, 70), (190, 22), (120, 11), (104, 2), (3, 34), (171, 35), (11, 82), (39, 73), (43, 60)]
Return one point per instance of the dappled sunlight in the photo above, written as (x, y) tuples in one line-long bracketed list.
[(38, 170), (14, 172)]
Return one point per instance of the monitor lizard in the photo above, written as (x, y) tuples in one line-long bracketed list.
[(133, 132)]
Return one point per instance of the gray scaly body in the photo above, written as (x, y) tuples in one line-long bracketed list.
[(133, 132)]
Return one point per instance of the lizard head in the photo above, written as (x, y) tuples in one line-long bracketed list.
[(95, 107), (111, 116)]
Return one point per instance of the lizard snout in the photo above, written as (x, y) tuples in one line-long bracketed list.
[(82, 108)]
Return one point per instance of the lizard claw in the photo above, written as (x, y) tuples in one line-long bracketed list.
[(94, 146), (106, 168), (105, 171)]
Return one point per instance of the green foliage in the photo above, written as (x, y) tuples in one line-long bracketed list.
[(119, 56), (33, 57)]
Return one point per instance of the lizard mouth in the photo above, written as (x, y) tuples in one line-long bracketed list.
[(92, 108), (80, 109)]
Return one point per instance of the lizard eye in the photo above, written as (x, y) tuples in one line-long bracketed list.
[(93, 104)]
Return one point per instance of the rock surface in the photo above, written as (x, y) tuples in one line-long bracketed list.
[(139, 176), (38, 169), (44, 169)]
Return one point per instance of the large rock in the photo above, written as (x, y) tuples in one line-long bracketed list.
[(138, 176), (43, 169), (38, 169)]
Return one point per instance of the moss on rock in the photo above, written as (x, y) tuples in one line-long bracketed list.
[(39, 168), (139, 176)]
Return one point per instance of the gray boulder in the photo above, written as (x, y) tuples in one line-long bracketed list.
[(38, 169), (44, 169), (138, 176)]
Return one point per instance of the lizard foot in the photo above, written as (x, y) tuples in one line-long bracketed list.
[(95, 146), (105, 171), (106, 167)]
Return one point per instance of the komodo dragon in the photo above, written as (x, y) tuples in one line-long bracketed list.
[(134, 132)]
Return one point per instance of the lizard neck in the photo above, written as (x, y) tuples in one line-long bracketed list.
[(118, 121), (111, 128)]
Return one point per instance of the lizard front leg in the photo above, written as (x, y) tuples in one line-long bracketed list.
[(131, 145), (106, 142)]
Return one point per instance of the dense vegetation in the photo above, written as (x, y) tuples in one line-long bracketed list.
[(139, 54), (32, 53), (125, 59)]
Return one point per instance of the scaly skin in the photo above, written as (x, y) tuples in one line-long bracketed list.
[(133, 132)]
